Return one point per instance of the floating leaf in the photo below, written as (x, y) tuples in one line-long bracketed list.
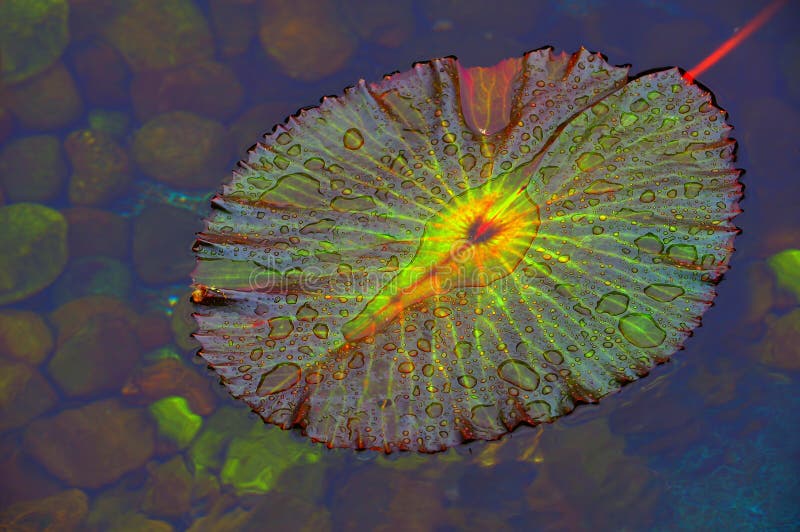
[(450, 252)]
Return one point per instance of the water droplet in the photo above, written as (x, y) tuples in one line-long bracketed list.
[(280, 327), (307, 313), (434, 410), (353, 139), (519, 373), (614, 303), (256, 354), (279, 379), (692, 190), (320, 331), (322, 226), (599, 109), (589, 160), (424, 345), (554, 357), (406, 367), (299, 190), (467, 162), (485, 416), (538, 410), (628, 119), (463, 349), (682, 253), (314, 164), (663, 292), (314, 378), (356, 203), (648, 196), (442, 312), (601, 186), (649, 243), (641, 330), (356, 361), (467, 381), (639, 106)]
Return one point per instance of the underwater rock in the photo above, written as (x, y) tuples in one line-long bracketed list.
[(24, 394), (25, 336), (387, 24), (785, 266), (168, 490), (780, 348), (162, 149), (102, 73), (307, 38), (97, 232), (153, 329), (168, 377), (88, 276), (281, 511), (33, 36), (32, 168), (92, 445), (28, 479), (206, 88), (97, 358), (47, 101), (6, 125), (34, 244), (176, 422), (64, 511), (100, 167), (159, 232), (234, 23), (70, 318), (508, 17), (160, 34), (255, 461)]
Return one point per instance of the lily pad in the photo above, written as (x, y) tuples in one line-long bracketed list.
[(450, 252)]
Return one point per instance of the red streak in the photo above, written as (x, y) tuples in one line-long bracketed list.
[(485, 226), (763, 16)]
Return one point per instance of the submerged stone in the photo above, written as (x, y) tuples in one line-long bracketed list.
[(34, 244)]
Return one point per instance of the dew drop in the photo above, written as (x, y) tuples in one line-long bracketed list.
[(442, 312), (519, 373), (589, 160), (692, 190), (641, 330), (279, 379), (434, 410), (353, 139), (614, 303), (356, 203), (663, 292), (307, 313), (467, 381), (320, 331), (648, 196), (406, 367), (280, 327)]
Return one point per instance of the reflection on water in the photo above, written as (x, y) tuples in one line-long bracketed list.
[(117, 122)]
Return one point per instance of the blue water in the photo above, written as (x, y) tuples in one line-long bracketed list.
[(709, 441)]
